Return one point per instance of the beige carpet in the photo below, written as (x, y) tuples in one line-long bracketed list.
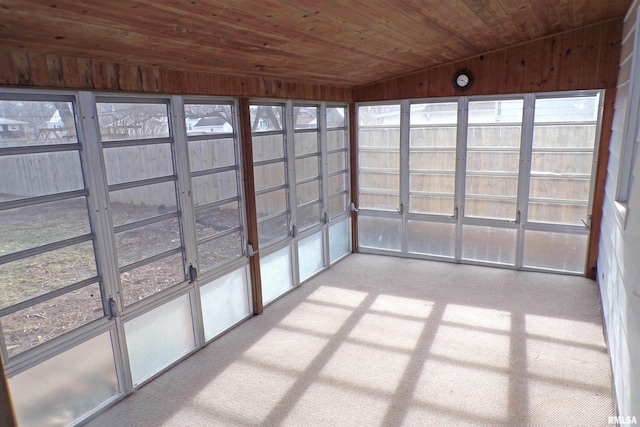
[(383, 341)]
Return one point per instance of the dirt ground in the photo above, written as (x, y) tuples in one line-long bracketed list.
[(30, 227)]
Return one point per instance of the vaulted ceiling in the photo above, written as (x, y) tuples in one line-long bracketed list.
[(334, 42)]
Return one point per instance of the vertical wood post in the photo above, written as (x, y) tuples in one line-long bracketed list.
[(601, 178), (7, 417), (250, 203)]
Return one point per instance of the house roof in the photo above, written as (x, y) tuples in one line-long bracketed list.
[(4, 121), (340, 43)]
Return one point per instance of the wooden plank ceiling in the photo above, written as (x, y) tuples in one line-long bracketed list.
[(333, 42)]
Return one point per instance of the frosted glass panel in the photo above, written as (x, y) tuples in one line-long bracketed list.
[(310, 259), (557, 251), (225, 301), (431, 238), (339, 234), (380, 233), (489, 244), (67, 386), (159, 337), (275, 272)]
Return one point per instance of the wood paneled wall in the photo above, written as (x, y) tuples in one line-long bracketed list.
[(586, 58), (23, 69)]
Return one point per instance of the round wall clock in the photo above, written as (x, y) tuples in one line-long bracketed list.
[(462, 80)]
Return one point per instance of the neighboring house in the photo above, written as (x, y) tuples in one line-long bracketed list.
[(206, 125), (12, 129)]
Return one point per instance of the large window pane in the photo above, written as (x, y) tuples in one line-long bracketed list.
[(308, 216), (142, 202), (42, 322), (308, 192), (273, 229), (269, 175), (490, 244), (144, 242), (214, 220), (66, 387), (266, 118), (218, 251), (305, 117), (214, 187), (159, 338), (380, 233), (336, 139), (310, 256), (225, 301), (40, 274), (305, 143), (211, 154), (267, 147), (30, 175), (338, 204), (556, 251), (36, 123), (205, 119), (431, 238), (275, 272), (125, 164), (271, 203), (339, 238), (336, 117), (152, 278), (37, 225), (125, 121)]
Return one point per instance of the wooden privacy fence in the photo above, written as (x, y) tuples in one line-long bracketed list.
[(561, 167), (32, 175)]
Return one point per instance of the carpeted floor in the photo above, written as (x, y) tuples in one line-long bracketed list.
[(383, 341)]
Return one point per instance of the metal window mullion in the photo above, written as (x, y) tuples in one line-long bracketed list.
[(120, 143), (147, 221), (219, 235), (185, 208), (269, 162), (310, 179), (271, 189), (341, 193), (344, 150), (336, 173), (291, 178), (45, 248), (324, 188), (461, 170), (307, 155), (596, 148), (100, 217), (216, 204), (209, 137), (214, 171), (38, 149), (141, 183), (151, 259), (48, 296), (272, 216), (403, 170), (32, 201), (524, 176)]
